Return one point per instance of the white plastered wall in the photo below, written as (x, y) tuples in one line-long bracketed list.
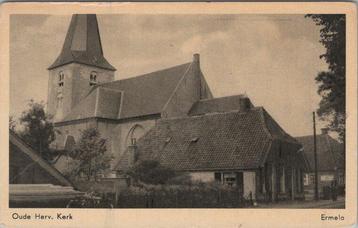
[(249, 184)]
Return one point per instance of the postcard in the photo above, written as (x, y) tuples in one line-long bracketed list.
[(178, 114)]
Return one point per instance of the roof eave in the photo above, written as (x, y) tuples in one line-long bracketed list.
[(17, 141), (53, 66)]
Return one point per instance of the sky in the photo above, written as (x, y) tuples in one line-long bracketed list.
[(272, 58)]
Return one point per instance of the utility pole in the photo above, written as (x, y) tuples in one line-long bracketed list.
[(315, 158)]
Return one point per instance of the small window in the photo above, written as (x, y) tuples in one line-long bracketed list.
[(93, 78), (61, 79), (229, 179)]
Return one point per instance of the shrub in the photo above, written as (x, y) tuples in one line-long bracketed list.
[(194, 195), (151, 172)]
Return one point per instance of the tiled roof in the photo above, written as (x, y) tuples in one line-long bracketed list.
[(83, 43), (216, 105), (101, 102), (231, 140), (138, 96), (33, 155), (329, 152), (148, 93)]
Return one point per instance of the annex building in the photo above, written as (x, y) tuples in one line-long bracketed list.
[(330, 162)]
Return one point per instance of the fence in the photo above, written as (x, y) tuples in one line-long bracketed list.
[(181, 197), (106, 189)]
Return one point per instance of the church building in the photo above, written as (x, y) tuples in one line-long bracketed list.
[(82, 92), (169, 115)]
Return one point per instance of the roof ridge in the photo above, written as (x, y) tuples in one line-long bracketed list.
[(282, 131), (142, 75), (263, 121), (216, 98), (121, 104), (211, 114), (176, 87)]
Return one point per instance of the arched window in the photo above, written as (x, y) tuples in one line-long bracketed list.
[(134, 134), (93, 78), (61, 78)]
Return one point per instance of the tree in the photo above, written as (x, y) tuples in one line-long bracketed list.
[(37, 129), (332, 83), (91, 155), (151, 172)]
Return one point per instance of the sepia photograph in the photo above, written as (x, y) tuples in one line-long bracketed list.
[(198, 115), (177, 111)]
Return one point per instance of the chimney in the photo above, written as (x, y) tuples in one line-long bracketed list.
[(245, 104), (132, 155), (197, 72), (324, 131)]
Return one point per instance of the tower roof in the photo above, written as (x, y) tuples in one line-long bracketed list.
[(83, 44)]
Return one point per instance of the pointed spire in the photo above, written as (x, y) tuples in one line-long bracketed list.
[(82, 44)]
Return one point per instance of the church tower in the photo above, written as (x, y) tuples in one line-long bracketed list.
[(80, 66)]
